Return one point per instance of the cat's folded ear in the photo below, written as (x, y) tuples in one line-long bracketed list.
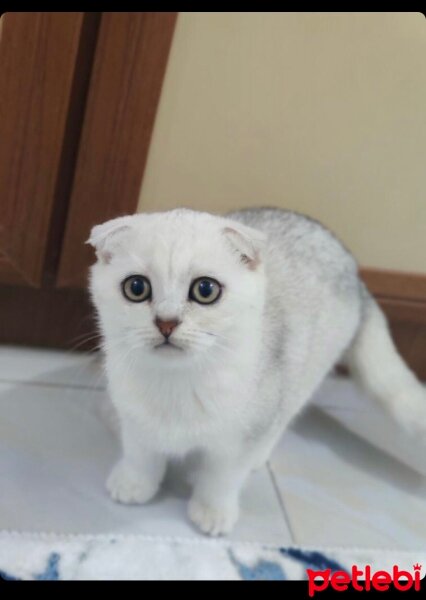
[(106, 238), (247, 242)]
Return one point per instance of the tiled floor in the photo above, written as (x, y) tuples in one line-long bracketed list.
[(324, 486)]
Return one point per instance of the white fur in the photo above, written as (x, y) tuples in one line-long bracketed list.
[(376, 365), (247, 364)]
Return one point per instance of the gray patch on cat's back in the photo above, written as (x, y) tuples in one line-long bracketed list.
[(304, 247), (278, 221)]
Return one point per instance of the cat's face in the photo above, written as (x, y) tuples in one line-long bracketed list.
[(178, 286)]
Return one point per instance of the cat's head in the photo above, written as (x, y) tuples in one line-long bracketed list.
[(177, 286)]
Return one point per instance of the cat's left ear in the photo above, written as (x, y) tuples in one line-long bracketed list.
[(247, 242), (105, 238)]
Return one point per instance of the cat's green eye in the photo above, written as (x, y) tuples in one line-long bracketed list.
[(136, 288), (205, 290)]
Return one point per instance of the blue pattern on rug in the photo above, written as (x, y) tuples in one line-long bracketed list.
[(6, 577), (51, 572), (262, 570), (23, 557), (313, 559)]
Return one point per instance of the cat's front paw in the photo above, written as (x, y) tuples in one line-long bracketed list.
[(213, 520), (128, 486)]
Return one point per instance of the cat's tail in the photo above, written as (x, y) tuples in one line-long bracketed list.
[(374, 363)]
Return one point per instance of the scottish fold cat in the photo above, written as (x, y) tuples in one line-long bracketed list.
[(217, 331)]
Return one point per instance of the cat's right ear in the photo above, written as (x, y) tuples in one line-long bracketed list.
[(105, 238)]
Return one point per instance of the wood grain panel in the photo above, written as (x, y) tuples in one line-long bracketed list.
[(38, 56), (46, 317), (9, 273), (410, 339), (395, 284), (128, 72), (403, 310)]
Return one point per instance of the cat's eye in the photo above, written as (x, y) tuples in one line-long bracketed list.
[(136, 288), (205, 290)]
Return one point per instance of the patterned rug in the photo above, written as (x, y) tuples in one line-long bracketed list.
[(53, 557)]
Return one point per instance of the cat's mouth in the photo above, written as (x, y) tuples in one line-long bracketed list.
[(167, 344)]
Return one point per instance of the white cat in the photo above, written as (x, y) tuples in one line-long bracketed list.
[(217, 331)]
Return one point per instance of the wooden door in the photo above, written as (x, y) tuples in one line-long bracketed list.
[(128, 72), (44, 68), (78, 100)]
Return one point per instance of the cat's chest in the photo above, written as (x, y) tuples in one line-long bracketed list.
[(180, 413)]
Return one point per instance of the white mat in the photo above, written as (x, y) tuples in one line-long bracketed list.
[(140, 557)]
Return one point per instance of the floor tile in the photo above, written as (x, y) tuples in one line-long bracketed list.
[(341, 399), (55, 367), (340, 491), (55, 454), (336, 489)]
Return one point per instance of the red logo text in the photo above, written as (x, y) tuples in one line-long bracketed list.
[(363, 580)]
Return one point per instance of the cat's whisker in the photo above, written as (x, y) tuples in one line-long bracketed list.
[(84, 335), (85, 341)]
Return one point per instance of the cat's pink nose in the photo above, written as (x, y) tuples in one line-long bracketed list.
[(166, 327)]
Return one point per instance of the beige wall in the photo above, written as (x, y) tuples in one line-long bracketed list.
[(322, 113)]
